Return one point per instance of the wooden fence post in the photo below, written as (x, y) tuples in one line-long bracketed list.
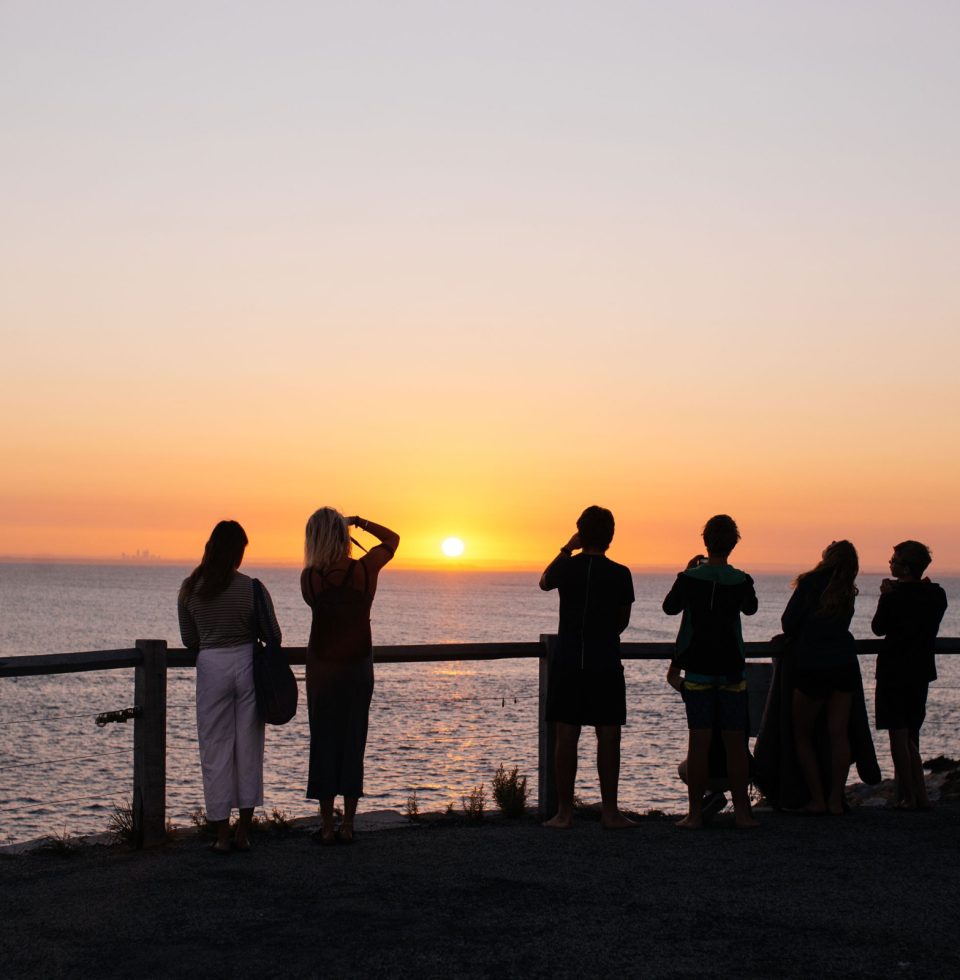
[(546, 772), (150, 745)]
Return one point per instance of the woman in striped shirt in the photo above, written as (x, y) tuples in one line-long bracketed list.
[(217, 617)]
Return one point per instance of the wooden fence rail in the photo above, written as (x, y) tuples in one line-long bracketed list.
[(150, 660)]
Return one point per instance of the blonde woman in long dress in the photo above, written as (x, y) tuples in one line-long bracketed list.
[(340, 590)]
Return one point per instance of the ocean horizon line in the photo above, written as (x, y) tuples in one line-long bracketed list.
[(446, 566)]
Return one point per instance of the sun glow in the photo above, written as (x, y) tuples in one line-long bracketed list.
[(452, 547)]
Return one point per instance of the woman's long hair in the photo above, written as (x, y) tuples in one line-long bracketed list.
[(221, 557), (841, 561), (327, 538)]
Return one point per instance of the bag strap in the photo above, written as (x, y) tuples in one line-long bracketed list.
[(261, 615)]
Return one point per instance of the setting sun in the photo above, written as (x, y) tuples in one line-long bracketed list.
[(452, 547)]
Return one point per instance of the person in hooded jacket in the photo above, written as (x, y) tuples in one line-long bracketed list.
[(711, 594)]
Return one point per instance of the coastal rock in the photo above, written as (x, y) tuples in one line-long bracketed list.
[(943, 783), (941, 764)]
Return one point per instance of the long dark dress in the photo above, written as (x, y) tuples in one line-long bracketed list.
[(339, 673), (816, 644)]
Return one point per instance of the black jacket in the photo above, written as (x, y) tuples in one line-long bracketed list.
[(711, 598)]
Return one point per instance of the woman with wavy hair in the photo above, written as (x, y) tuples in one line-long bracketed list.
[(215, 607), (339, 591), (826, 673)]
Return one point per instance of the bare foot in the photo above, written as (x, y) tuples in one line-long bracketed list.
[(558, 823), (746, 823), (690, 823), (816, 809), (617, 822)]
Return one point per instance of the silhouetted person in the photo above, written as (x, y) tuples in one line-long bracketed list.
[(586, 685), (339, 591), (712, 594), (826, 673), (908, 617), (217, 617)]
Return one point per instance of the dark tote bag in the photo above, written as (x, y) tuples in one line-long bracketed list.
[(276, 687)]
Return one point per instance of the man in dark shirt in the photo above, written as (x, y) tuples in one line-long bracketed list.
[(908, 617), (586, 685)]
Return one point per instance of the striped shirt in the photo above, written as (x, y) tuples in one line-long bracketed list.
[(224, 620)]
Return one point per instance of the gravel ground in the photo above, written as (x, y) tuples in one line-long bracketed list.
[(872, 894)]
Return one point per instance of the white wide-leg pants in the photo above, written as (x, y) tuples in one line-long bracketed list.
[(229, 731)]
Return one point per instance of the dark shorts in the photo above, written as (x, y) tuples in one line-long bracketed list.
[(819, 683), (901, 705), (722, 706), (586, 697)]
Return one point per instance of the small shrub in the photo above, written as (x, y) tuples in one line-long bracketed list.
[(412, 808), (451, 810), (120, 824), (474, 803), (63, 844), (280, 820), (199, 819), (510, 792)]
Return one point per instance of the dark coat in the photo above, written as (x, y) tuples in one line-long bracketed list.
[(776, 770)]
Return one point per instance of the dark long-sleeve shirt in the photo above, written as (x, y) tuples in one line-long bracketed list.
[(908, 618)]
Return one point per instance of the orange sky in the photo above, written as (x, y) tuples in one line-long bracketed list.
[(472, 282)]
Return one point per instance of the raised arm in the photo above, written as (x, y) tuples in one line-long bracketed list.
[(676, 598), (389, 540), (550, 577)]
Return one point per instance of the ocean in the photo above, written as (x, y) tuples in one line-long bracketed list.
[(438, 730)]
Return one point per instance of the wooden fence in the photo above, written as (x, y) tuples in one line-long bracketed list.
[(150, 660)]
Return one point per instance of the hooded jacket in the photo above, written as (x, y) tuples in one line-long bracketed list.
[(711, 598)]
